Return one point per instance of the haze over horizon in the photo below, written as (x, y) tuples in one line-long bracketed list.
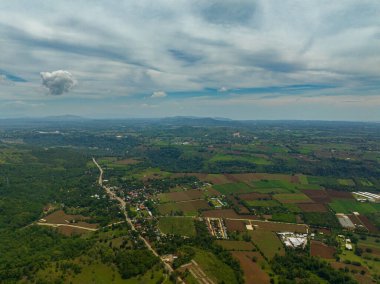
[(304, 60)]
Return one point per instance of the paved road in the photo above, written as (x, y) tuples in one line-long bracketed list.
[(122, 203)]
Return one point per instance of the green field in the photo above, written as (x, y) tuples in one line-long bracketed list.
[(365, 182), (214, 268), (284, 217), (349, 206), (346, 182), (292, 207), (285, 186), (268, 242), (238, 158), (262, 203), (168, 208), (238, 187), (183, 226), (302, 179)]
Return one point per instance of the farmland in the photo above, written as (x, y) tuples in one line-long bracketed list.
[(172, 179), (349, 206), (182, 226)]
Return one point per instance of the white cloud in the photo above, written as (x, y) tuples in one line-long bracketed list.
[(223, 89), (158, 94), (58, 82)]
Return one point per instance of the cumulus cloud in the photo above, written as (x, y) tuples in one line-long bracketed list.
[(159, 94), (58, 82), (223, 89)]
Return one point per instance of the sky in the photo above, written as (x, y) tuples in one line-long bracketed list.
[(264, 59)]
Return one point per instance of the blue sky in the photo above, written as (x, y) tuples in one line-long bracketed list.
[(238, 59)]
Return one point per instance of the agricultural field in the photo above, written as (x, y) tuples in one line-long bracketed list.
[(322, 250), (267, 242), (349, 206), (290, 177), (261, 203), (292, 198), (214, 268), (238, 187), (182, 226), (236, 245), (252, 263)]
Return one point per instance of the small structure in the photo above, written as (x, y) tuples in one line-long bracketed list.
[(345, 221), (249, 227), (293, 240)]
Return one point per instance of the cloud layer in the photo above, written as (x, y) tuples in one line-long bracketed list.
[(215, 51), (58, 82)]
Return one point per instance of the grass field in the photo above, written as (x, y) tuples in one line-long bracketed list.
[(292, 207), (261, 203), (286, 186), (214, 268), (284, 217), (346, 182), (238, 187), (238, 158), (268, 242), (303, 179), (365, 182), (349, 206), (168, 208), (183, 226)]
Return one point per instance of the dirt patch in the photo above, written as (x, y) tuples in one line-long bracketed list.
[(254, 196), (318, 196), (312, 207), (294, 179), (184, 195), (252, 270), (322, 250), (70, 231), (235, 225), (339, 194), (280, 227), (60, 217)]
